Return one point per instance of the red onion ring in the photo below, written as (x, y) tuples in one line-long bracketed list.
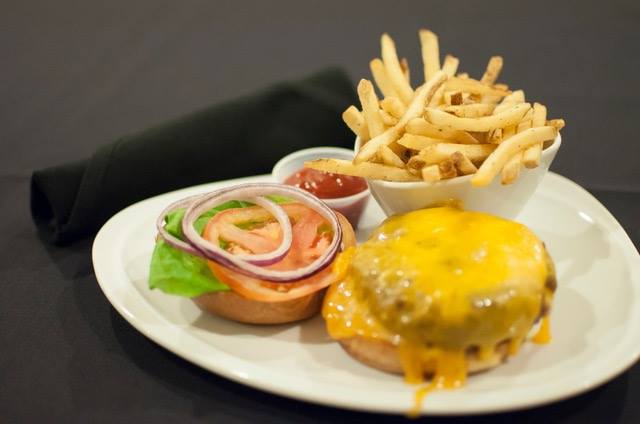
[(169, 238), (208, 201), (254, 191), (257, 259)]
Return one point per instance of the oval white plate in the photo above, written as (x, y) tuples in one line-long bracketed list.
[(595, 320)]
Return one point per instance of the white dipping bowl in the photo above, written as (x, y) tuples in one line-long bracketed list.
[(350, 206), (502, 200)]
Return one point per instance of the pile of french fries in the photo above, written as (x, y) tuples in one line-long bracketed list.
[(451, 125)]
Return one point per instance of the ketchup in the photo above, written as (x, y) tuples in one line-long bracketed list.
[(326, 185)]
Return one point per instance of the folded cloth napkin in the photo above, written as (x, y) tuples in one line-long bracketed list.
[(241, 137)]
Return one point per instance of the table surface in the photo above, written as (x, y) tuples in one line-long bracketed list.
[(78, 74)]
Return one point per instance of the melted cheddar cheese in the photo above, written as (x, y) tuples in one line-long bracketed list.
[(442, 285)]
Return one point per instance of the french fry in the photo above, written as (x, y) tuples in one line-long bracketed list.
[(389, 157), (515, 97), (481, 136), (400, 151), (417, 142), (436, 153), (495, 136), (531, 156), (526, 122), (486, 123), (493, 70), (447, 169), (355, 121), (474, 152), (490, 75), (370, 108), (381, 78), (452, 125), (393, 106), (423, 95), (474, 110), (419, 126), (430, 173), (453, 98), (510, 100), (556, 123), (430, 53), (386, 138), (437, 98), (374, 171), (463, 164), (489, 99), (473, 86), (404, 64), (394, 69), (388, 119), (505, 150), (511, 170), (450, 65), (508, 132)]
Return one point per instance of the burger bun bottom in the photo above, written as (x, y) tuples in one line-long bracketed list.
[(384, 356), (235, 307)]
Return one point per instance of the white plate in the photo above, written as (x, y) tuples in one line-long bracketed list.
[(595, 320)]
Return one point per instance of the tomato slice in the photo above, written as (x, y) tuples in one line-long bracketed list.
[(307, 245)]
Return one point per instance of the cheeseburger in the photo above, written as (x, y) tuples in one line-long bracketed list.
[(441, 293)]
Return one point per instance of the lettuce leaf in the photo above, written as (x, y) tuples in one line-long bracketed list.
[(176, 272)]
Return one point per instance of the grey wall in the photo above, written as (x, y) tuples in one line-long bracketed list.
[(79, 73)]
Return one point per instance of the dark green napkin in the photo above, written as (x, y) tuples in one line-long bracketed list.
[(241, 137)]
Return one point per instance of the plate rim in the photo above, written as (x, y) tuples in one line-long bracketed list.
[(152, 332)]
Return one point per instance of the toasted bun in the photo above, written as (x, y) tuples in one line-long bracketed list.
[(233, 306), (384, 356)]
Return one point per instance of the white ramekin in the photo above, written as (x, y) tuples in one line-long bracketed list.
[(350, 206), (497, 199)]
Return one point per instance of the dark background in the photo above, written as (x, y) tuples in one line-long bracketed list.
[(76, 74)]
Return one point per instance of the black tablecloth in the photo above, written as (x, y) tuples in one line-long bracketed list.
[(78, 74)]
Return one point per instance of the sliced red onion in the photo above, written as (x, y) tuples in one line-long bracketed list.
[(263, 259), (253, 193), (167, 236)]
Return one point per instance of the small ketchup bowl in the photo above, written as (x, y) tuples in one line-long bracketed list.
[(350, 206)]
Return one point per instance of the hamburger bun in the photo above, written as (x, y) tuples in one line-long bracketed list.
[(384, 356), (231, 305)]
